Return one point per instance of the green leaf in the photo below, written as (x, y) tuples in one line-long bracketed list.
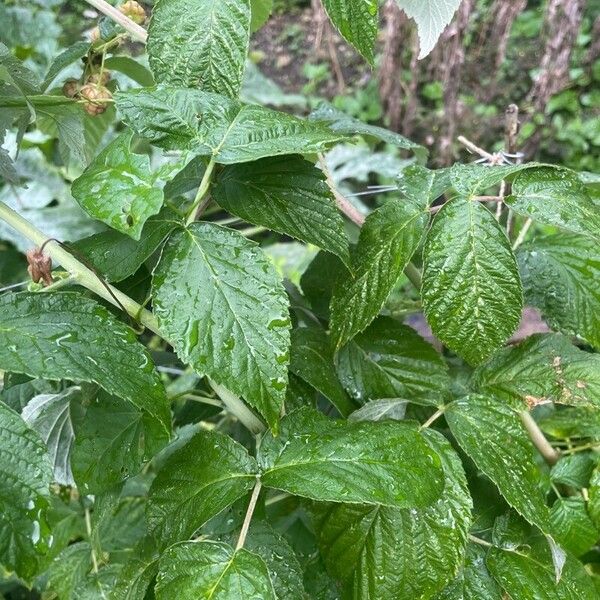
[(543, 367), (391, 360), (198, 481), (69, 569), (25, 476), (63, 60), (555, 197), (474, 581), (68, 336), (387, 462), (318, 281), (212, 570), (112, 440), (388, 239), (525, 574), (66, 123), (213, 125), (492, 434), (377, 410), (342, 123), (138, 573), (560, 276), (288, 195), (357, 23), (575, 531), (117, 256), (311, 359), (474, 179), (97, 584), (574, 470), (594, 497), (261, 11), (284, 568), (431, 17), (130, 67), (471, 292), (221, 304), (16, 73), (50, 416), (119, 189), (381, 552), (200, 44)]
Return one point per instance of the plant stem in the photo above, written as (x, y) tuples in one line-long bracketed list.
[(521, 237), (539, 440), (414, 275), (202, 191), (480, 541), (88, 527), (238, 408), (343, 203), (436, 415), (249, 513), (85, 276), (136, 31)]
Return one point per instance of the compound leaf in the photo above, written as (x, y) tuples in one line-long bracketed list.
[(381, 552), (213, 125)]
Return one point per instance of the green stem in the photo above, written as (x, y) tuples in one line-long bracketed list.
[(202, 191), (550, 454), (414, 275), (238, 408), (85, 276), (249, 513), (88, 279)]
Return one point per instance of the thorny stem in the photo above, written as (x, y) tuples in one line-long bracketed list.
[(136, 31), (201, 199), (88, 279), (539, 440), (249, 513)]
